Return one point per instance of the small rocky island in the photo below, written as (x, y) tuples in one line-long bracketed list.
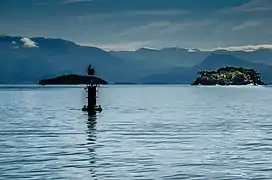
[(229, 76), (72, 79)]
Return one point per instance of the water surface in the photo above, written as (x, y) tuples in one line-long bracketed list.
[(144, 132)]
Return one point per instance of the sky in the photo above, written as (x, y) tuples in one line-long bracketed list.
[(132, 24)]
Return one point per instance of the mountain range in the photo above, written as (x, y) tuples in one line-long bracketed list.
[(28, 60)]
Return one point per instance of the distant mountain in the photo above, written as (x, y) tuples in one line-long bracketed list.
[(25, 60), (28, 60), (182, 57), (216, 61), (257, 56), (163, 58), (212, 62)]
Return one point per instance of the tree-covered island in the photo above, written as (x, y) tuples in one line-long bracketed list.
[(229, 76), (72, 79)]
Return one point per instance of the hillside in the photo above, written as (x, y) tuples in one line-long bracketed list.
[(211, 63), (28, 60), (163, 58), (185, 57)]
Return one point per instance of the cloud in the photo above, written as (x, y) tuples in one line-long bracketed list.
[(144, 29), (246, 48), (160, 12), (74, 1), (132, 46), (192, 50), (158, 31), (246, 25), (28, 43), (123, 46), (252, 6), (184, 23)]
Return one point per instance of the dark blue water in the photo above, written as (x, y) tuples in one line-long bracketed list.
[(144, 132)]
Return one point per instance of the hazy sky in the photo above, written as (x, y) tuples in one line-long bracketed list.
[(130, 24)]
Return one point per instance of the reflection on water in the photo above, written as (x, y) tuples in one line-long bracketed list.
[(91, 140), (144, 132)]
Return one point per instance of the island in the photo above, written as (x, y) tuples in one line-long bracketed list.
[(229, 76), (72, 79)]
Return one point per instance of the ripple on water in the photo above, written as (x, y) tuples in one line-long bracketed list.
[(144, 132)]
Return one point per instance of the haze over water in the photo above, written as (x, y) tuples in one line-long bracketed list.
[(144, 132)]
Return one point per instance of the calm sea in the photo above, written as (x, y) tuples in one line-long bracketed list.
[(143, 132)]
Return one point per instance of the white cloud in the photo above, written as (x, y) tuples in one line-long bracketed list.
[(246, 25), (144, 29), (246, 48), (161, 29), (124, 46), (252, 6), (160, 12), (132, 46), (28, 43), (192, 50), (74, 1)]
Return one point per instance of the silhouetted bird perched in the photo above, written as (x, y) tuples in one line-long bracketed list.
[(90, 70)]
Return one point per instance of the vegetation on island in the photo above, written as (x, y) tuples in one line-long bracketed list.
[(229, 76), (72, 79)]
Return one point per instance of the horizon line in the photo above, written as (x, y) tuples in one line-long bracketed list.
[(119, 47)]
